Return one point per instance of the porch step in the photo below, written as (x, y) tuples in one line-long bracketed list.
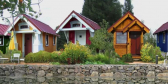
[(136, 57)]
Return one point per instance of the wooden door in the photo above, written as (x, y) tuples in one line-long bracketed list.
[(81, 37), (28, 43), (135, 42)]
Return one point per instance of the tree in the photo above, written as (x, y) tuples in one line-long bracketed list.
[(149, 38), (102, 40), (16, 7), (61, 40), (127, 7), (96, 10)]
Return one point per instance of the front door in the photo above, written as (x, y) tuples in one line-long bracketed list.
[(135, 43), (28, 43), (81, 37)]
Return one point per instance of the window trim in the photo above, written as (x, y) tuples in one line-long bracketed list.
[(126, 38), (23, 23), (54, 39), (3, 41), (164, 37), (75, 22), (46, 39)]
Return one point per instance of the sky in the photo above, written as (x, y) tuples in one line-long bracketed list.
[(154, 13)]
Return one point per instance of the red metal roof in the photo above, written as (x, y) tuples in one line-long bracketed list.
[(91, 23), (162, 28), (40, 25), (3, 29), (88, 21)]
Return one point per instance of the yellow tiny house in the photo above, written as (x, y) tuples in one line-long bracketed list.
[(128, 35)]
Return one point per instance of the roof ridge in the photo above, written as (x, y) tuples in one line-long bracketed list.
[(37, 20), (87, 18)]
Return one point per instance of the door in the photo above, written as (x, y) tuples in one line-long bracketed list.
[(81, 37), (135, 42), (28, 43)]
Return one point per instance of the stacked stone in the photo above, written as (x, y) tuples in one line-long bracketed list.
[(89, 73)]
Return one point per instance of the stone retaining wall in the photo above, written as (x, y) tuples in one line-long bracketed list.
[(109, 71)]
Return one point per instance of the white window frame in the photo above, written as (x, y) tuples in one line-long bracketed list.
[(75, 22), (54, 37), (3, 41), (23, 23), (164, 37), (47, 39)]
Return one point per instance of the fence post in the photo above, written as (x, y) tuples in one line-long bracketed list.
[(156, 59)]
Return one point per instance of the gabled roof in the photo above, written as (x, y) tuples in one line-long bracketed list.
[(162, 28), (91, 23), (3, 29), (42, 27), (134, 20), (88, 21)]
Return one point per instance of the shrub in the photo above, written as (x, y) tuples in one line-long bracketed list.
[(55, 55), (102, 58), (127, 58), (55, 63), (98, 62), (74, 53), (149, 52), (39, 57)]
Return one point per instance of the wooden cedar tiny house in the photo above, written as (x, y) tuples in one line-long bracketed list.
[(128, 35)]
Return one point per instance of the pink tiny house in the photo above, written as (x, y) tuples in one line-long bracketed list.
[(77, 27)]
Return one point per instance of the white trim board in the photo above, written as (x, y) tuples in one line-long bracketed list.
[(79, 19), (28, 22)]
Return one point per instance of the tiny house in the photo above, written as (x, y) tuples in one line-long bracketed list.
[(32, 35), (77, 27), (161, 34), (4, 39), (128, 35)]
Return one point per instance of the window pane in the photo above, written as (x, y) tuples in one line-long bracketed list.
[(76, 25), (121, 38), (1, 40), (46, 39), (54, 39), (24, 26)]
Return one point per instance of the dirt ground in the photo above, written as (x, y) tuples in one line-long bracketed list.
[(23, 63)]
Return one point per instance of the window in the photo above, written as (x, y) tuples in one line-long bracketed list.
[(1, 41), (121, 37), (158, 38), (53, 40), (163, 37), (46, 40), (76, 24), (23, 26)]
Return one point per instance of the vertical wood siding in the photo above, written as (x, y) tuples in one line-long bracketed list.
[(19, 41), (87, 37), (161, 44), (50, 47)]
